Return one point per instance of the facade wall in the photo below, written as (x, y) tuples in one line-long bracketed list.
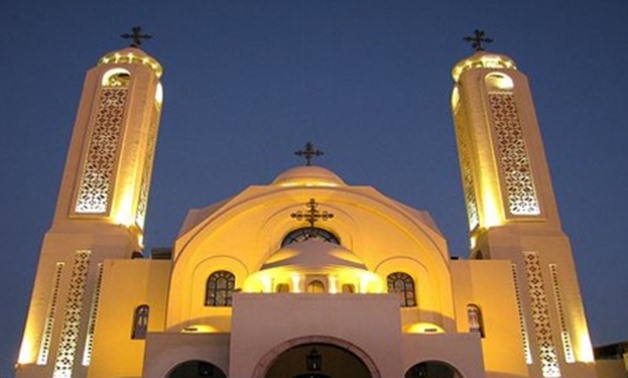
[(461, 351), (262, 322), (488, 284), (127, 284), (164, 351)]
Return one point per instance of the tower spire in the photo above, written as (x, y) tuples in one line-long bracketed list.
[(477, 39), (137, 36)]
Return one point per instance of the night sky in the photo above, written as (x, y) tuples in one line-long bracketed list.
[(248, 82)]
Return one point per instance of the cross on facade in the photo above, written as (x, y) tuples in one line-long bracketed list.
[(136, 35), (477, 39), (312, 214), (309, 153)]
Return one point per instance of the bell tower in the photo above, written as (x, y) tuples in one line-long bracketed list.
[(100, 210), (512, 211)]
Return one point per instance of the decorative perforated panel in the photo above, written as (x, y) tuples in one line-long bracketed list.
[(100, 162), (91, 327), (564, 332), (522, 320), (540, 316), (72, 318), (513, 155), (467, 173), (142, 203), (44, 349)]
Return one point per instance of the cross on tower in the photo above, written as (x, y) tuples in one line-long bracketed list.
[(477, 39), (312, 214), (309, 153), (137, 36)]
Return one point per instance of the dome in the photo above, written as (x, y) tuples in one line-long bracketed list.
[(482, 59), (132, 55), (313, 255), (309, 175)]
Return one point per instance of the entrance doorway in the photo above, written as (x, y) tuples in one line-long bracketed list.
[(432, 369), (317, 360), (196, 369)]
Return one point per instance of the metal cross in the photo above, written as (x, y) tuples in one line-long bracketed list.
[(477, 39), (137, 36), (312, 214), (309, 153)]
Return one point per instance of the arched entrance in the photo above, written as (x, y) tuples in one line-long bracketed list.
[(317, 360), (433, 369), (196, 369)]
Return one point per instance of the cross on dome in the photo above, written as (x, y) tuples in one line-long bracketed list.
[(136, 35), (309, 153), (312, 214), (477, 39)]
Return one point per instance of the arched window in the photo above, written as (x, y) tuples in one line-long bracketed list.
[(220, 286), (348, 288), (315, 287), (117, 77), (307, 233), (402, 284), (282, 288), (474, 315), (140, 322)]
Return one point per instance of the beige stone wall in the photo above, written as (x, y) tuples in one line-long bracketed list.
[(127, 284), (266, 325), (489, 285)]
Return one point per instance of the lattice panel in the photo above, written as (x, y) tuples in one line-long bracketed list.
[(44, 349), (100, 162), (91, 327), (522, 320), (513, 155), (72, 319), (540, 316), (467, 173), (564, 332), (142, 203)]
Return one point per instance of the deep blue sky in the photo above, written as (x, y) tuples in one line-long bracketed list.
[(248, 82)]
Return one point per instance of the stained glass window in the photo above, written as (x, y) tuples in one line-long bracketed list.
[(306, 233), (140, 323), (402, 284), (220, 286)]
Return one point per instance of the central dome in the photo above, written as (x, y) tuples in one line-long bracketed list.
[(313, 255), (309, 175)]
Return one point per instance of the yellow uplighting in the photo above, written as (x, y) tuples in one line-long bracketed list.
[(585, 350), (27, 351), (482, 60), (200, 328), (267, 284), (296, 283), (490, 207), (423, 328), (333, 284), (131, 58), (123, 214)]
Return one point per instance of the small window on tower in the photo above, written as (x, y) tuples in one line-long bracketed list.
[(140, 323), (498, 81), (116, 78)]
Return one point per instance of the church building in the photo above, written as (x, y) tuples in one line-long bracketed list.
[(306, 275)]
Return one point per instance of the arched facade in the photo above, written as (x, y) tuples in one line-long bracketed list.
[(276, 352)]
